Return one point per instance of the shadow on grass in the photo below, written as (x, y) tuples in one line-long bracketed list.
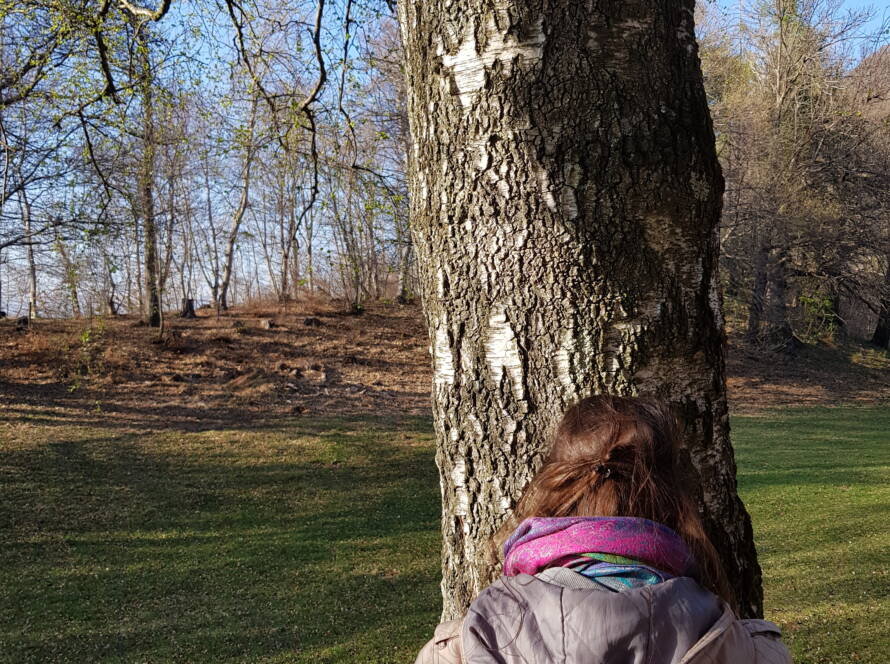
[(280, 542)]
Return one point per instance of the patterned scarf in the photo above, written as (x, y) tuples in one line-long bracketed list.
[(617, 552)]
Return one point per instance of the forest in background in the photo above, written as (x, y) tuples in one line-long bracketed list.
[(202, 154)]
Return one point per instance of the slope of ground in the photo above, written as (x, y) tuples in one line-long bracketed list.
[(818, 375), (316, 360)]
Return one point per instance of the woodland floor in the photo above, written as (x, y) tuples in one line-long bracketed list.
[(316, 360), (247, 492)]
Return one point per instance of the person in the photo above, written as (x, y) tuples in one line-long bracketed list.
[(606, 560)]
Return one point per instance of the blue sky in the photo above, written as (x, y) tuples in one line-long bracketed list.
[(881, 10)]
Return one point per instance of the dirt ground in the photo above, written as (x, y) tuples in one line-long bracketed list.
[(244, 365), (315, 360)]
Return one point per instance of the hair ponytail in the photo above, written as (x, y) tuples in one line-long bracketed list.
[(616, 456)]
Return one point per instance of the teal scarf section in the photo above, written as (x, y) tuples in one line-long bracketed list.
[(616, 573)]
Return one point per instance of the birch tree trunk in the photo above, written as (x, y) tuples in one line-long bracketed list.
[(25, 206), (565, 195)]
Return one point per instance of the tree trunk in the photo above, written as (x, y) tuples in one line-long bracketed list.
[(406, 292), (71, 276), (779, 335), (308, 232), (295, 267), (188, 308), (565, 195), (111, 292), (146, 187), (881, 336), (238, 215), (25, 205), (137, 247), (758, 294)]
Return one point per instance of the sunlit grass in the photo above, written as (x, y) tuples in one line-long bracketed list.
[(301, 542), (871, 357), (817, 483), (317, 540)]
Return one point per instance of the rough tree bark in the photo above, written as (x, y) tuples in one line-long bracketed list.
[(565, 195)]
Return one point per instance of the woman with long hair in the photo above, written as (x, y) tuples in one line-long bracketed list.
[(606, 561)]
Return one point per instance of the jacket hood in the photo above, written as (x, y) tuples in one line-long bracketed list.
[(526, 619)]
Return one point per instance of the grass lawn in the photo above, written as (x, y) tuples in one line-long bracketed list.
[(817, 484), (315, 540), (308, 541)]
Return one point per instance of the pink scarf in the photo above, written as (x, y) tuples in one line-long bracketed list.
[(542, 542)]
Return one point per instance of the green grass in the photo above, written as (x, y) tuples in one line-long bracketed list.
[(317, 540), (817, 484), (295, 543)]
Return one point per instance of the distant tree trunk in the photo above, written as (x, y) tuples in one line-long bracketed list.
[(308, 266), (406, 292), (70, 279), (565, 196), (881, 336), (137, 244), (188, 308), (238, 216), (111, 299), (146, 185), (838, 324), (25, 206), (779, 335), (295, 267), (758, 293)]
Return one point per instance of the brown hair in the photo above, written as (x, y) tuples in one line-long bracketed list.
[(617, 456)]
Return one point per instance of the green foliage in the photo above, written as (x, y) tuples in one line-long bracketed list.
[(85, 358), (818, 320)]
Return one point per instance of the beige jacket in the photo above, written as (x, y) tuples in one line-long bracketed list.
[(529, 620)]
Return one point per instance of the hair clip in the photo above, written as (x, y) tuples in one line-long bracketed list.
[(603, 470)]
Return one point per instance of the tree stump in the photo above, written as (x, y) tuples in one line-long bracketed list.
[(188, 308)]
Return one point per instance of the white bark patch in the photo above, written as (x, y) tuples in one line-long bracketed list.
[(547, 190), (468, 66), (562, 196), (459, 478), (563, 359), (484, 158), (502, 351), (714, 300), (502, 180), (443, 358), (568, 195)]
